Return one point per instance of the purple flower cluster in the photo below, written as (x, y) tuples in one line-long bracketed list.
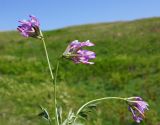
[(75, 52), (137, 107), (30, 28)]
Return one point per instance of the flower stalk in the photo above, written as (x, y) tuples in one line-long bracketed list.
[(52, 77), (53, 80), (48, 60), (55, 92), (94, 101)]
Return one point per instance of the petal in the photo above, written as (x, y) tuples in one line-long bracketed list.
[(142, 105), (34, 21), (76, 60), (87, 43), (22, 22), (22, 31), (87, 54), (75, 44), (19, 29), (25, 34), (137, 119)]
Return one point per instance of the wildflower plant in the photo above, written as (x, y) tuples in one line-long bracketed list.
[(75, 52)]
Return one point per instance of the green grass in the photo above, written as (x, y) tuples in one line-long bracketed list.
[(127, 64)]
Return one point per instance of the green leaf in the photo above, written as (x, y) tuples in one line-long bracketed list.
[(83, 115), (69, 118), (59, 113), (92, 106), (44, 114), (87, 110)]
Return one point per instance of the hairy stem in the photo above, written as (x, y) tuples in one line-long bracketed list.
[(53, 79), (55, 83), (93, 101), (49, 65), (49, 121)]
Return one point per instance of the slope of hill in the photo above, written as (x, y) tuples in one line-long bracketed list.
[(127, 64)]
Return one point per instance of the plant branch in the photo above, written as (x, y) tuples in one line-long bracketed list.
[(93, 101), (53, 79)]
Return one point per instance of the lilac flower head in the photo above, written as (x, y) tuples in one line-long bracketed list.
[(75, 52), (137, 107), (30, 28)]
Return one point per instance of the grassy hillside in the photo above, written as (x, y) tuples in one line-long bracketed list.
[(127, 64)]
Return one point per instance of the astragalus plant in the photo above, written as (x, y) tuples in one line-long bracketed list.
[(75, 52)]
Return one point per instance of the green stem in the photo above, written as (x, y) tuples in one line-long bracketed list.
[(49, 65), (93, 101), (50, 122), (55, 101), (53, 80)]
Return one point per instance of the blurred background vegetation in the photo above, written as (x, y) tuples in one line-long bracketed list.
[(127, 64)]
